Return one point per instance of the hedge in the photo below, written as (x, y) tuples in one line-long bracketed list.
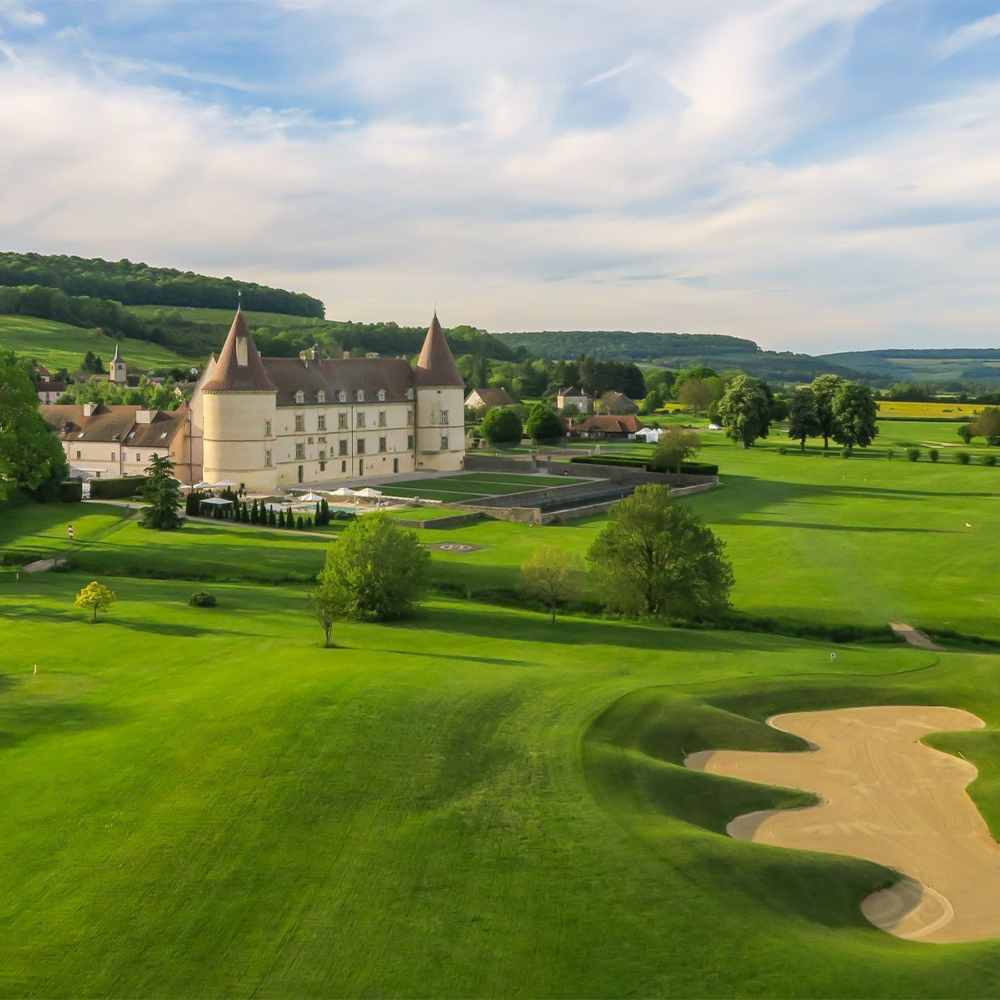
[(71, 492), (114, 489), (688, 468)]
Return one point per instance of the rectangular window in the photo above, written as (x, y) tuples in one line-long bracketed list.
[(112, 456), (138, 457), (444, 442), (267, 428), (343, 467), (382, 445), (77, 454), (300, 451), (267, 459), (343, 447), (444, 416), (360, 422), (300, 422), (409, 441), (321, 422), (409, 418), (322, 456), (361, 446), (342, 421), (381, 418), (322, 466)]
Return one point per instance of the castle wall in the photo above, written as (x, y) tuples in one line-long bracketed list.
[(235, 444), (440, 429)]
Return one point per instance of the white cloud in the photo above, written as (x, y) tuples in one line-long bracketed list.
[(970, 34)]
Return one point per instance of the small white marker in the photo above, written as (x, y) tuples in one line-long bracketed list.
[(36, 669)]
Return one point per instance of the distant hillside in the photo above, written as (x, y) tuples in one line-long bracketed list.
[(59, 345), (937, 364), (677, 350), (139, 284)]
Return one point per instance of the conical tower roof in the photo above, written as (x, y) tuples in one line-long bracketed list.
[(239, 368), (118, 353), (436, 364)]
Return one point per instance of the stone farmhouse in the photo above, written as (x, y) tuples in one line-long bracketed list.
[(574, 397), (488, 399)]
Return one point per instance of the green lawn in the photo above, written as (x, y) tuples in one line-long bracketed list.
[(58, 345), (473, 802), (205, 803), (222, 318)]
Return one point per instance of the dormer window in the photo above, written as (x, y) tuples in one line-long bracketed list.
[(300, 396), (381, 395), (342, 396), (360, 395), (321, 396)]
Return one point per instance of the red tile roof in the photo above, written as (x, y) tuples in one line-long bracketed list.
[(436, 364), (609, 423)]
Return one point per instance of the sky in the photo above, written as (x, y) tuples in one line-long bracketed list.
[(815, 176)]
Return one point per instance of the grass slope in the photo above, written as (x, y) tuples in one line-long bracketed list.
[(58, 345), (206, 803)]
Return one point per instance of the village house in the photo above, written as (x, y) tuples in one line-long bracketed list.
[(488, 399), (574, 397), (607, 425), (616, 402), (49, 389)]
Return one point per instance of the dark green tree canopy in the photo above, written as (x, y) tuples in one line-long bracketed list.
[(501, 426), (745, 410), (162, 494), (855, 415), (657, 558), (824, 388), (803, 417), (543, 423)]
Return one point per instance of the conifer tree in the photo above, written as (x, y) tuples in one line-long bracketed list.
[(299, 524), (281, 518)]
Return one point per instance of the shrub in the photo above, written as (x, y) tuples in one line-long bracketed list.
[(962, 457), (71, 492), (299, 523), (933, 454), (782, 450), (845, 452), (989, 460), (890, 454), (502, 426), (913, 454), (115, 489), (202, 600)]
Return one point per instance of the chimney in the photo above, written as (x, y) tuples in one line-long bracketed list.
[(347, 355), (144, 417), (89, 408)]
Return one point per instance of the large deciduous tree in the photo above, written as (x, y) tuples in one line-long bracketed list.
[(745, 410), (502, 426), (696, 393), (803, 416), (543, 424), (162, 494), (987, 425), (675, 446), (855, 415), (31, 457), (553, 576), (824, 388), (374, 571), (657, 558)]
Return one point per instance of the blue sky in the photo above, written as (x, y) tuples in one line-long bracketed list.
[(816, 176)]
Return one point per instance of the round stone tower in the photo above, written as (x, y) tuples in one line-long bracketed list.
[(440, 402), (238, 414)]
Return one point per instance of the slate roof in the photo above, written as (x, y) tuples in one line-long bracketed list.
[(436, 364), (113, 424), (289, 375)]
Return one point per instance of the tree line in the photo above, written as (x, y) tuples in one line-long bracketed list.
[(136, 283)]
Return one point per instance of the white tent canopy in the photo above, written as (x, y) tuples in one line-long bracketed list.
[(309, 498), (344, 491), (216, 501), (225, 482), (203, 485), (368, 493)]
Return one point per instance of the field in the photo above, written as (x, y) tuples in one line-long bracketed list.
[(223, 318), (473, 802), (927, 411), (58, 345)]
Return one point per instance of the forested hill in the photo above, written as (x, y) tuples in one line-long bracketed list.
[(139, 284), (675, 350)]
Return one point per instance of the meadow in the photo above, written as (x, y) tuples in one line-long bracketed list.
[(473, 802), (58, 345)]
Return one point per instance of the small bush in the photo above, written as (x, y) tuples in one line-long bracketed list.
[(890, 454), (71, 492), (115, 489), (962, 457), (202, 600), (989, 460), (933, 454), (782, 450), (913, 454), (845, 452)]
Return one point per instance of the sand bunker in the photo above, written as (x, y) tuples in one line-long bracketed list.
[(887, 798)]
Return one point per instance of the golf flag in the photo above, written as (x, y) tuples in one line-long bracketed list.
[(69, 531)]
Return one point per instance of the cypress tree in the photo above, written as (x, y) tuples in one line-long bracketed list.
[(281, 518), (317, 511), (272, 520), (309, 522), (300, 524), (324, 512), (254, 513)]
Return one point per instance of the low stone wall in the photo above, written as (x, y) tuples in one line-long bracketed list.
[(686, 491), (554, 516), (639, 477), (521, 515), (440, 522), (489, 463), (530, 497)]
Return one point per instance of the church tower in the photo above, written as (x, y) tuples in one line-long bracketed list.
[(238, 401), (118, 374), (440, 413)]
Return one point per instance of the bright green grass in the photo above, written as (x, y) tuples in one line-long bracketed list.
[(40, 530), (57, 345), (204, 803)]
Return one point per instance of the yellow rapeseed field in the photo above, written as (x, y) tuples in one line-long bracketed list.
[(945, 409)]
